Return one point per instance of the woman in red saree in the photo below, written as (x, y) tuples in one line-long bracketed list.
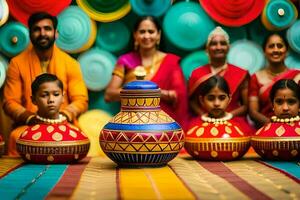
[(162, 68), (261, 82), (237, 78)]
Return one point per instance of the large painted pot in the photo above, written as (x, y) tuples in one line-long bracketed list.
[(216, 140), (278, 140), (53, 143), (141, 134)]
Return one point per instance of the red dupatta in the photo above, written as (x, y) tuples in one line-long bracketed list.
[(170, 77)]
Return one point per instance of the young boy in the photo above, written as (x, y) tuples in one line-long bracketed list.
[(47, 95)]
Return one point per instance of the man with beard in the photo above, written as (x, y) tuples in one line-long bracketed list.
[(43, 56)]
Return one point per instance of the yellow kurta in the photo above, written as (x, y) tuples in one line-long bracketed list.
[(22, 71)]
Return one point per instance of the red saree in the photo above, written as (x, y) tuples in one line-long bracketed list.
[(232, 74), (167, 75), (262, 91)]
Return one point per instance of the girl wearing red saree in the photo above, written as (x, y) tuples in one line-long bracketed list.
[(217, 125), (162, 68), (280, 139), (260, 106)]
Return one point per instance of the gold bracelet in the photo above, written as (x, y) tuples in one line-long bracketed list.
[(29, 118)]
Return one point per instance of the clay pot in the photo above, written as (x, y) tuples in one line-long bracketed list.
[(278, 140), (53, 143), (141, 134), (215, 141)]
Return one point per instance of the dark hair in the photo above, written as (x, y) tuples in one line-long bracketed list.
[(143, 18), (38, 16), (214, 81), (44, 78), (265, 41), (285, 84)]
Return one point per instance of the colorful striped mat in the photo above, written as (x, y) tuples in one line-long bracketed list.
[(182, 178)]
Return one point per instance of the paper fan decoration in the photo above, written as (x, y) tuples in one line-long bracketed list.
[(279, 14), (4, 12), (154, 8), (77, 32), (104, 10), (246, 54), (233, 12), (14, 38), (22, 9), (193, 61), (293, 36), (96, 66), (292, 60), (113, 36), (186, 25)]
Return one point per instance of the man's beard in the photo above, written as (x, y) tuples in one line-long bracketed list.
[(48, 45)]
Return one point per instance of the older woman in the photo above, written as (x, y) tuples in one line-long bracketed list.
[(260, 107), (162, 68), (217, 47)]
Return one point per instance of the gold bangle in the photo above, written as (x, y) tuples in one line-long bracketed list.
[(29, 118)]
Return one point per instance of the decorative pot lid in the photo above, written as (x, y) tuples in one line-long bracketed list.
[(77, 32), (193, 61), (233, 12), (105, 11), (279, 14), (3, 67), (279, 130), (246, 54), (97, 66), (292, 60), (150, 7), (113, 37), (4, 12), (140, 85), (22, 9), (54, 133), (14, 38), (186, 25), (293, 36)]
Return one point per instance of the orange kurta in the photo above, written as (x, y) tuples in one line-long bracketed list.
[(22, 71)]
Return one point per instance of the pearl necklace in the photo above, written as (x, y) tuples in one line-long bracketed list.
[(285, 120), (222, 120), (60, 119)]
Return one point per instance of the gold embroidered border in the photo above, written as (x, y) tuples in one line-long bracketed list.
[(215, 146), (55, 150), (217, 140), (52, 144)]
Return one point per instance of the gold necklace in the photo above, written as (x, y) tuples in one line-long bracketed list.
[(150, 69), (285, 120), (275, 74), (60, 119), (222, 120)]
